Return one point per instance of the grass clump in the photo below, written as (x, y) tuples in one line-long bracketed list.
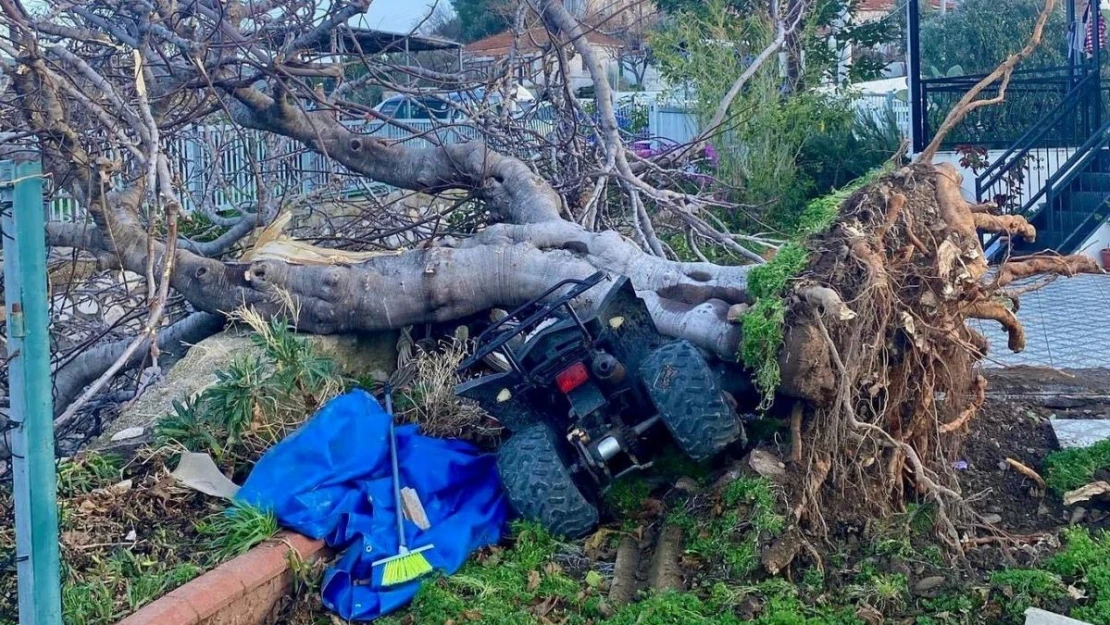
[(1068, 469), (118, 585), (764, 323), (87, 472), (1023, 588), (503, 586), (732, 537), (237, 529)]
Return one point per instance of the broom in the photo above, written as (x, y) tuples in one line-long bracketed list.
[(408, 564)]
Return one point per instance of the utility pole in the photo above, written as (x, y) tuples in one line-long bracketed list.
[(32, 418)]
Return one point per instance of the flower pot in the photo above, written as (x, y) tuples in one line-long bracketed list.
[(1104, 253)]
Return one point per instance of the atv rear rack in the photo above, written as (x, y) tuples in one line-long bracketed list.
[(497, 335)]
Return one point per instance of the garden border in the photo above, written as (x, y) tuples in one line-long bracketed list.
[(246, 590)]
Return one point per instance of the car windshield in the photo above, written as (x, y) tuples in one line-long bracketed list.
[(430, 108)]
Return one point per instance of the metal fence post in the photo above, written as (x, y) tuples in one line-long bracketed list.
[(32, 419)]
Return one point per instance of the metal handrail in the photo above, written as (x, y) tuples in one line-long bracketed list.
[(1065, 174), (1031, 139)]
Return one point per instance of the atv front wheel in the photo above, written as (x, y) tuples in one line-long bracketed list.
[(539, 485), (688, 396)]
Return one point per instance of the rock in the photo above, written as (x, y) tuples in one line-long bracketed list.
[(131, 536), (1036, 616), (687, 484), (994, 509), (1077, 515), (113, 314), (767, 465), (127, 434), (928, 584), (1003, 465), (88, 307), (992, 519), (131, 278), (1074, 433)]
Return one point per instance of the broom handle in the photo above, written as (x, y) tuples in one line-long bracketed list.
[(396, 470)]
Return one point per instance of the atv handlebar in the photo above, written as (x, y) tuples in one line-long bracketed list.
[(495, 336)]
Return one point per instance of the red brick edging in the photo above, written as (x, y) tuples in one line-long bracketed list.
[(244, 591)]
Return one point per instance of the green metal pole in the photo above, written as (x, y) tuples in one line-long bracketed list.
[(36, 510)]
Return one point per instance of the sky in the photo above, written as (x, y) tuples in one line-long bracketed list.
[(396, 15)]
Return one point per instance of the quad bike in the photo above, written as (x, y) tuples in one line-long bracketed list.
[(586, 397)]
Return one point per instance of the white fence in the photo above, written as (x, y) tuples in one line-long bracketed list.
[(878, 106), (222, 166)]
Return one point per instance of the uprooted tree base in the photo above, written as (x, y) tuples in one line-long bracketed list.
[(885, 361)]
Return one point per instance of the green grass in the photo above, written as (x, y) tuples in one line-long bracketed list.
[(1069, 469), (87, 472), (236, 530), (1022, 588), (732, 538), (120, 584)]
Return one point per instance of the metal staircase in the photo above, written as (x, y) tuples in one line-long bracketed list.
[(1063, 190)]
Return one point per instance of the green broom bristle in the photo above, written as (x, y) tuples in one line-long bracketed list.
[(405, 569)]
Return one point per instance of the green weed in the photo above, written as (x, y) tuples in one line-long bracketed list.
[(87, 472), (89, 603), (883, 590), (258, 396), (236, 530), (121, 583), (1022, 588)]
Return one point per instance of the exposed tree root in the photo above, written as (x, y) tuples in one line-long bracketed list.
[(889, 389), (995, 311), (980, 388), (1045, 264), (1027, 472), (1006, 224)]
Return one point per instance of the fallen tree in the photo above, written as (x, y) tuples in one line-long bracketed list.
[(875, 348)]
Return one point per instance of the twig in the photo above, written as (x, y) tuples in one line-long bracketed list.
[(968, 103), (1027, 472)]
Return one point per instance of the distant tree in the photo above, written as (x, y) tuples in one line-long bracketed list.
[(482, 18), (443, 22), (976, 36)]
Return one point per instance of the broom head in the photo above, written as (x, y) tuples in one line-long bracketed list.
[(405, 566)]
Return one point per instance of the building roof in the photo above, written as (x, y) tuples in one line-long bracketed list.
[(366, 41), (531, 40)]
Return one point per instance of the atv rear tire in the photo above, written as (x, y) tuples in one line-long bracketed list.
[(688, 396), (539, 485)]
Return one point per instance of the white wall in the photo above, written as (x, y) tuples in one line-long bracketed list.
[(1036, 175)]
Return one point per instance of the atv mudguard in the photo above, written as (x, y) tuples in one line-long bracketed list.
[(514, 413), (622, 325)]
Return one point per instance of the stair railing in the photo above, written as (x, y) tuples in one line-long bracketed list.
[(1059, 181), (1016, 180)]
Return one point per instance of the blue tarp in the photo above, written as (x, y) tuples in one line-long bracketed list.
[(331, 479)]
